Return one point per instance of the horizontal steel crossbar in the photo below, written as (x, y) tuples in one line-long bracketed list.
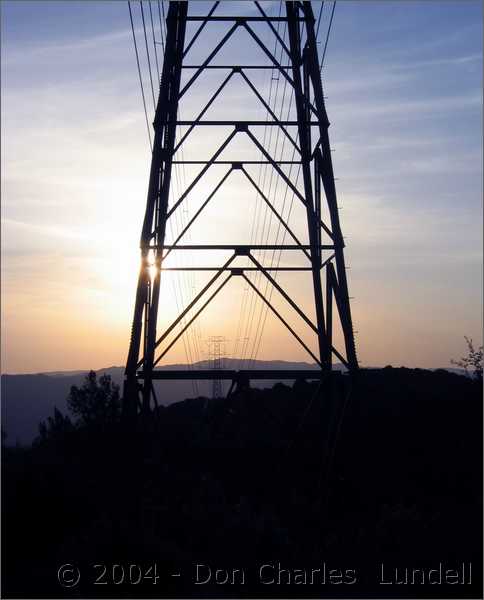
[(246, 123), (232, 374), (263, 67), (236, 268), (303, 74), (236, 163), (240, 19), (238, 248)]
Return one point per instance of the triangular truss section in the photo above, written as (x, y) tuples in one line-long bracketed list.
[(303, 127)]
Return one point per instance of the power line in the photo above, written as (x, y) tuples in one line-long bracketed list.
[(293, 196), (147, 53), (161, 29), (254, 298), (269, 291), (327, 35), (164, 16), (249, 319), (178, 296), (273, 193), (139, 74), (284, 232), (154, 41), (319, 19), (260, 303), (263, 306), (251, 293), (185, 282)]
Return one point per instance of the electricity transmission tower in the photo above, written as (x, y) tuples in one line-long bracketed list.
[(305, 129), (216, 354)]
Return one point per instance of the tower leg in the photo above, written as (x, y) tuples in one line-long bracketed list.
[(323, 155), (153, 233), (312, 121), (303, 114)]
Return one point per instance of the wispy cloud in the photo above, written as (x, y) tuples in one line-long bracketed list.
[(433, 106), (437, 62), (47, 230), (41, 51), (405, 125)]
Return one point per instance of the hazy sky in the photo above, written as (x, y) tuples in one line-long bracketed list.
[(404, 96)]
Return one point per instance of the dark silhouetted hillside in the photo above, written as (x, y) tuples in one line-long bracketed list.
[(240, 483), (26, 399)]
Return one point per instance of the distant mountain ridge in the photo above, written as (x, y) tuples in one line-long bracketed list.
[(28, 399), (229, 363)]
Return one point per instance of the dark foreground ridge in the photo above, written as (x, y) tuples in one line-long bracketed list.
[(227, 498)]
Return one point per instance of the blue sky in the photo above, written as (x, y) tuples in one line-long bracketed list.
[(404, 96)]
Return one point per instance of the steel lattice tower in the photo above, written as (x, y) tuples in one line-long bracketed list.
[(216, 355), (300, 69)]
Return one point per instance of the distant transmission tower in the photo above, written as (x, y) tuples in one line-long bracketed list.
[(216, 356), (304, 127)]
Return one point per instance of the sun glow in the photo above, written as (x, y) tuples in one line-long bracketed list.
[(153, 271)]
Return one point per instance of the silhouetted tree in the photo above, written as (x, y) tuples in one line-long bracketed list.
[(55, 427), (96, 401), (255, 466), (473, 360)]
